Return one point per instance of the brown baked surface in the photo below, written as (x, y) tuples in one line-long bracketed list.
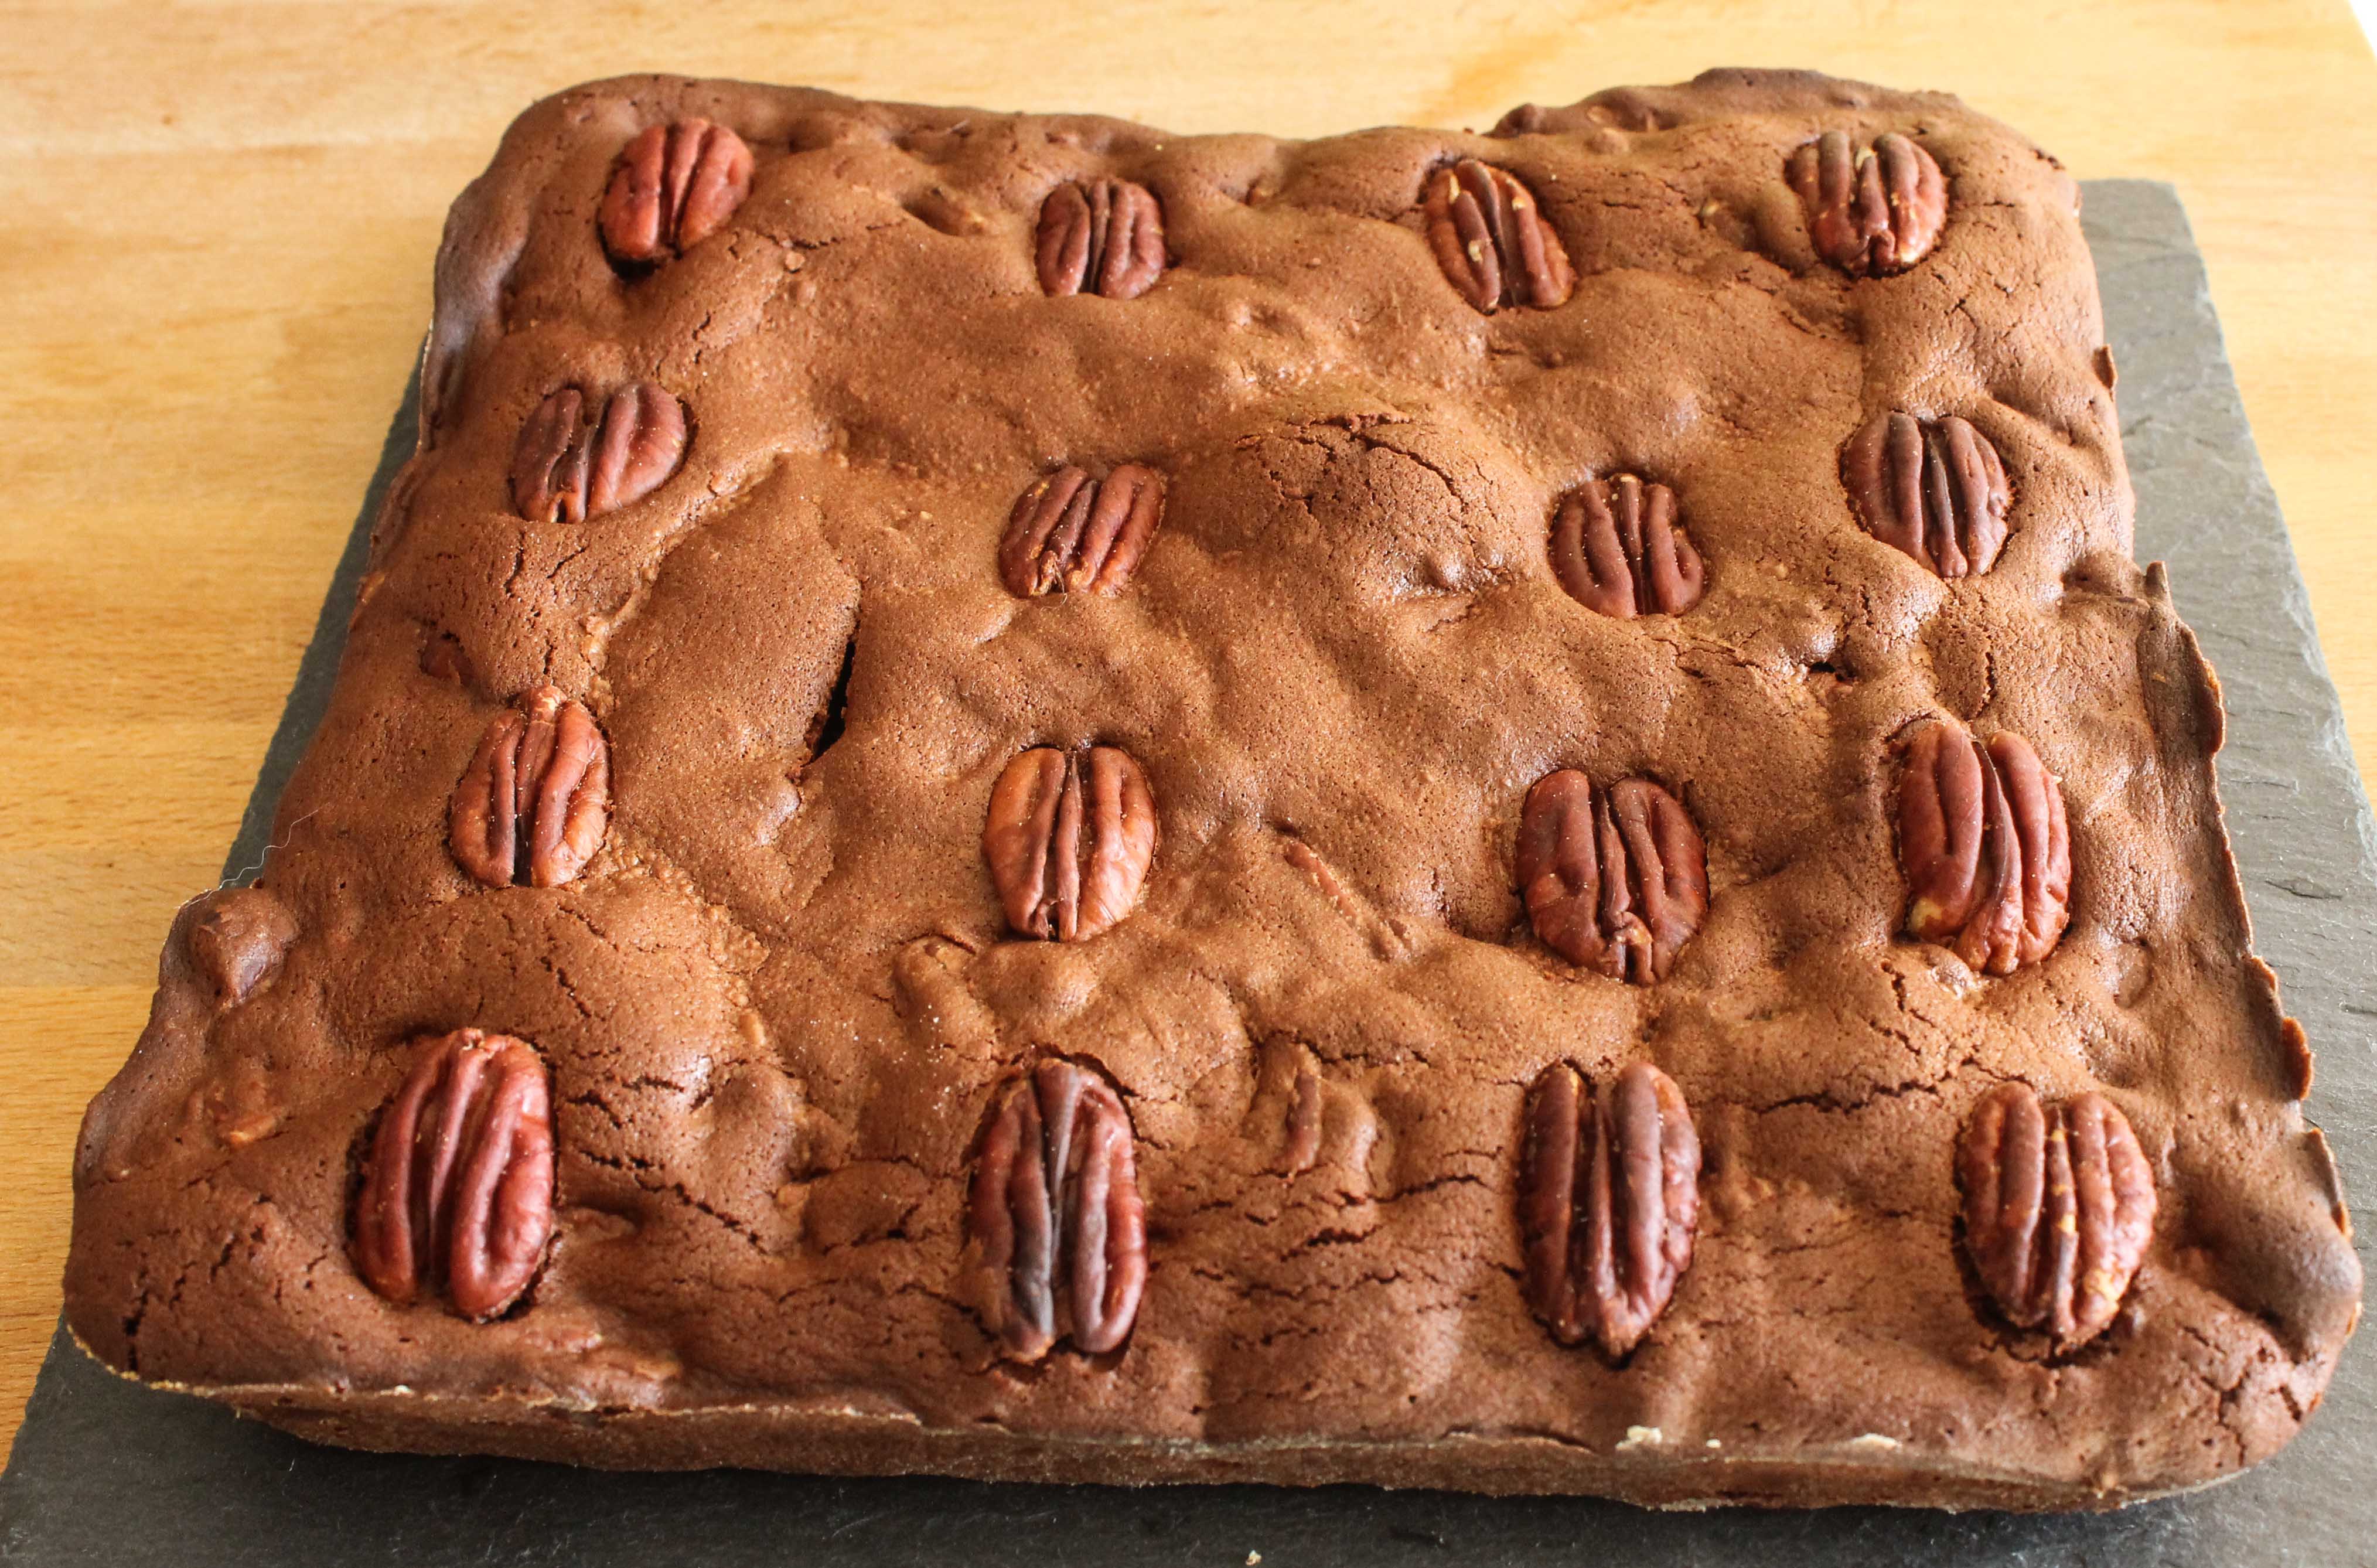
[(778, 1003)]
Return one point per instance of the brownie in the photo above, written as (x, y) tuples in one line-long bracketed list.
[(1016, 796)]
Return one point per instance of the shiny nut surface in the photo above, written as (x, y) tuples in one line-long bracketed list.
[(570, 464), (674, 186), (1492, 240), (1614, 879), (1057, 1225), (456, 1195), (1609, 1202), (1870, 212), (1069, 838), (1100, 237), (531, 808), (1986, 847), (1935, 489), (1618, 547), (2058, 1208), (1070, 533)]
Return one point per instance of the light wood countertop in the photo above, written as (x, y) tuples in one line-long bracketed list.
[(216, 229)]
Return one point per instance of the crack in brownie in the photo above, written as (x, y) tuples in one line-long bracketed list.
[(1017, 796)]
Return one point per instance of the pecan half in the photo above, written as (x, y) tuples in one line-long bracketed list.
[(1069, 838), (1056, 1213), (1074, 535), (456, 1196), (674, 186), (1610, 1198), (568, 465), (531, 808), (1618, 548), (1614, 879), (1870, 212), (1986, 847), (1492, 240), (240, 941), (1934, 489), (2058, 1208), (1100, 237)]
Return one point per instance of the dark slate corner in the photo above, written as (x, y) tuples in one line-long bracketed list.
[(107, 1473)]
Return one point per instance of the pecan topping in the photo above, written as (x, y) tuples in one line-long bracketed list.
[(1100, 237), (1934, 489), (1057, 1216), (2059, 1207), (1608, 1200), (1614, 879), (1870, 213), (457, 1194), (531, 808), (1074, 535), (239, 941), (1068, 840), (568, 466), (1618, 548), (1985, 846), (1492, 241), (674, 186)]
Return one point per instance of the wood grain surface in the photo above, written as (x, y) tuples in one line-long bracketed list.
[(216, 229)]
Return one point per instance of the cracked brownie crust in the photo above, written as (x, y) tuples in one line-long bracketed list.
[(787, 1026)]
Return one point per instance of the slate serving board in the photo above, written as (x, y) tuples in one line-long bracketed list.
[(106, 1472)]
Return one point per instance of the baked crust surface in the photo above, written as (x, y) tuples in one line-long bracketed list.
[(779, 1001)]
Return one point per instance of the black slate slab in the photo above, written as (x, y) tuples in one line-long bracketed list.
[(105, 1472)]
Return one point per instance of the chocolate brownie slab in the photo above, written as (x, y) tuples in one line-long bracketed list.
[(1018, 797)]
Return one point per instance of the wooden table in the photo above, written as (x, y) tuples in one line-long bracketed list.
[(219, 223)]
